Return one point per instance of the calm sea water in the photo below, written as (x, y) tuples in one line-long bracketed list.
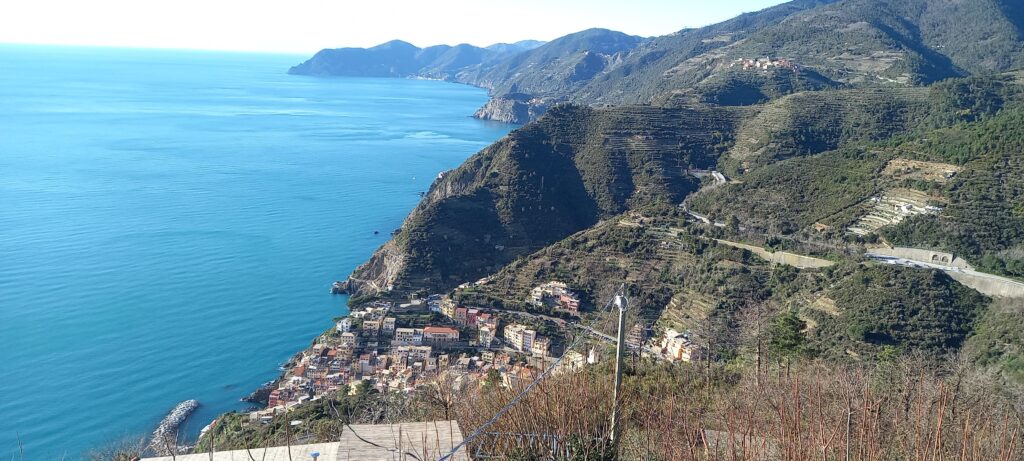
[(170, 223)]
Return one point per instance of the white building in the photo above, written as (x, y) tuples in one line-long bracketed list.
[(486, 336), (556, 294), (520, 337), (572, 361), (408, 336), (677, 346), (540, 346)]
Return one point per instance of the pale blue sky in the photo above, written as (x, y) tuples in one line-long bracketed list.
[(305, 26)]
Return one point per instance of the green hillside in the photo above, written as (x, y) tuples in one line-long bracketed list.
[(557, 67), (855, 42), (980, 217), (544, 182), (732, 178), (984, 219), (814, 45), (578, 165)]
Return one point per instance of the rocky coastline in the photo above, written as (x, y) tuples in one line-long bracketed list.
[(164, 440), (514, 108)]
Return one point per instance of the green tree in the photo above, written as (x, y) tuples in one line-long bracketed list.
[(787, 335), (493, 379), (364, 388), (733, 223)]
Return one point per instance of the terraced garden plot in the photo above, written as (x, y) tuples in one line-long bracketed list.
[(915, 169), (686, 310), (891, 208)]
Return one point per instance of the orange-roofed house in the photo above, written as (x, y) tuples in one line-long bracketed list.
[(440, 334)]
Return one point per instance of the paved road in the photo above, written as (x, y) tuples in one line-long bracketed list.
[(896, 261), (556, 320), (992, 285)]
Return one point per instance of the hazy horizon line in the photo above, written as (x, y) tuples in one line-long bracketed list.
[(247, 51), (289, 53)]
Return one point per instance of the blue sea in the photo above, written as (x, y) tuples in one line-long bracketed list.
[(171, 221)]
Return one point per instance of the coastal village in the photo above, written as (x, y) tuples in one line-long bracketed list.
[(402, 346)]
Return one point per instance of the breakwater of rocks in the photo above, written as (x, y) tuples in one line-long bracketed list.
[(165, 437)]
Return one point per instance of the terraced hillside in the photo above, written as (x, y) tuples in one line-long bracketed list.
[(679, 278), (814, 122), (983, 220), (853, 43), (542, 183), (809, 44), (892, 207), (817, 121), (974, 213), (579, 165), (675, 277)]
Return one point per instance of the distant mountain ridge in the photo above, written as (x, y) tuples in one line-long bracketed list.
[(513, 73), (403, 59), (833, 43)]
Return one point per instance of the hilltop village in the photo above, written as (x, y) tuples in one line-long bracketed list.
[(402, 346)]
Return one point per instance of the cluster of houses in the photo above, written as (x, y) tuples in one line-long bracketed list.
[(367, 345), (766, 63), (373, 344), (485, 323), (556, 295), (677, 347), (327, 368), (516, 336), (378, 345)]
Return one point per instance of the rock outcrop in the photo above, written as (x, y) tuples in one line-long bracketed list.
[(515, 108)]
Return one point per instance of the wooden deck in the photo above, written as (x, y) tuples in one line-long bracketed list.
[(364, 442)]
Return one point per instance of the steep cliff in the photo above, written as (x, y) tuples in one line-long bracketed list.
[(561, 174), (515, 108)]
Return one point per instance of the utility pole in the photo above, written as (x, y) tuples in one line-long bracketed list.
[(620, 349)]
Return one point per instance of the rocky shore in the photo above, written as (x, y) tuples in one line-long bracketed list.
[(515, 108), (165, 437)]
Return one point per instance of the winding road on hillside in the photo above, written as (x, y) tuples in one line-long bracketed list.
[(988, 284)]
